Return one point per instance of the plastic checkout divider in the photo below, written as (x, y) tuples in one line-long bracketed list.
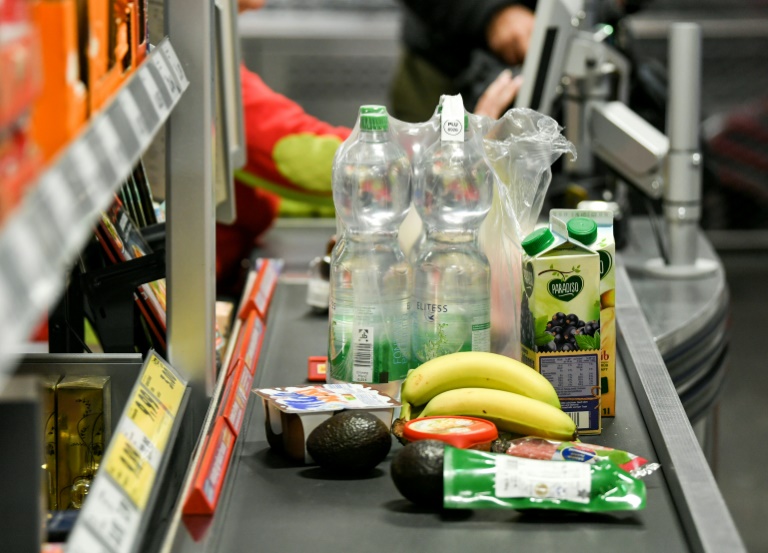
[(240, 366)]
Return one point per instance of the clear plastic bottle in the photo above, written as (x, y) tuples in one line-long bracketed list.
[(453, 191), (371, 282)]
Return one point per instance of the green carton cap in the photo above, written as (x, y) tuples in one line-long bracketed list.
[(538, 241), (582, 229)]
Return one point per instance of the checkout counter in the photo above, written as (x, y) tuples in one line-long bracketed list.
[(270, 504)]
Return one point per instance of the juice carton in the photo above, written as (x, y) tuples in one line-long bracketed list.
[(560, 318), (605, 246)]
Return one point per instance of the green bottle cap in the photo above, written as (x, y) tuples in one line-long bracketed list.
[(374, 121), (372, 108), (582, 229), (538, 241)]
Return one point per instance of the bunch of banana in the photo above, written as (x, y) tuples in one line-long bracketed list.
[(510, 394)]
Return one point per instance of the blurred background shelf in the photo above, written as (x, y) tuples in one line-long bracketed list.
[(43, 236)]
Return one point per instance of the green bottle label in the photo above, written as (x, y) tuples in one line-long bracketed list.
[(440, 329), (367, 350)]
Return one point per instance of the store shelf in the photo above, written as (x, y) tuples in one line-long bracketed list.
[(125, 489), (43, 237)]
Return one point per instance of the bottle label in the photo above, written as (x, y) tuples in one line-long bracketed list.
[(367, 346), (452, 119), (362, 360), (443, 328)]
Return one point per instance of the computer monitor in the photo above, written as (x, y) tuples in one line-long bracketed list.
[(556, 24)]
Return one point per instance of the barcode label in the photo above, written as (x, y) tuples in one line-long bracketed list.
[(362, 361), (581, 418)]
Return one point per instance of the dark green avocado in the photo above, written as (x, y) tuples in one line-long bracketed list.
[(417, 471), (351, 442)]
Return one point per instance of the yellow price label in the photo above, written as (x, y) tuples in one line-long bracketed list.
[(130, 470), (162, 381), (151, 417)]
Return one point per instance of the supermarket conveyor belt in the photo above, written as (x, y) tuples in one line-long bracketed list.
[(269, 504)]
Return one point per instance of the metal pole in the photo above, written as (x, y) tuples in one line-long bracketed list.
[(682, 193), (682, 197), (190, 205)]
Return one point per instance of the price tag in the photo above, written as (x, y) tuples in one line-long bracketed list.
[(266, 288), (82, 539), (164, 383), (50, 238), (165, 72), (134, 116), (55, 191), (109, 515), (173, 61), (143, 442), (27, 259), (154, 93), (151, 419), (86, 165), (112, 145), (132, 472), (7, 316), (251, 356)]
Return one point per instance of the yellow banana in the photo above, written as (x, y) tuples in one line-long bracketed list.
[(509, 411), (475, 369)]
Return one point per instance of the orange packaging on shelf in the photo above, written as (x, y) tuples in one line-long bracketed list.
[(212, 470), (19, 163), (138, 29), (260, 294), (20, 63), (61, 108), (109, 54), (248, 345), (237, 390)]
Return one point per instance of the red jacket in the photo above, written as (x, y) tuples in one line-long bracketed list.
[(289, 159)]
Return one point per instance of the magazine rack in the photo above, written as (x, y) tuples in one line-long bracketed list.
[(106, 296)]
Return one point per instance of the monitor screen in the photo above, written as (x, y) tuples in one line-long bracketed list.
[(556, 23)]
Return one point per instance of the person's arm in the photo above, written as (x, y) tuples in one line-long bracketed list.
[(286, 147), (499, 95)]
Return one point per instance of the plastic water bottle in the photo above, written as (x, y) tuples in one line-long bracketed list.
[(453, 191), (371, 282)]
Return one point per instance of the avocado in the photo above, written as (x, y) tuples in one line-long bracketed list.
[(350, 442), (417, 471)]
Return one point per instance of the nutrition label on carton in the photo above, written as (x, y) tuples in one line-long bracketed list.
[(572, 376)]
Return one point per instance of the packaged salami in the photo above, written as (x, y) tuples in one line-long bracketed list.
[(532, 447)]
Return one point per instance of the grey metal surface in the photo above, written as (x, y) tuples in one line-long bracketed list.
[(677, 311), (190, 208), (734, 53), (326, 61), (273, 505), (291, 241), (705, 516)]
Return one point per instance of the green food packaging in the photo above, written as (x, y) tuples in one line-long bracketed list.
[(475, 479)]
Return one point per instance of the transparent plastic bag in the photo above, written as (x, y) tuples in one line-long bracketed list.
[(520, 148)]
